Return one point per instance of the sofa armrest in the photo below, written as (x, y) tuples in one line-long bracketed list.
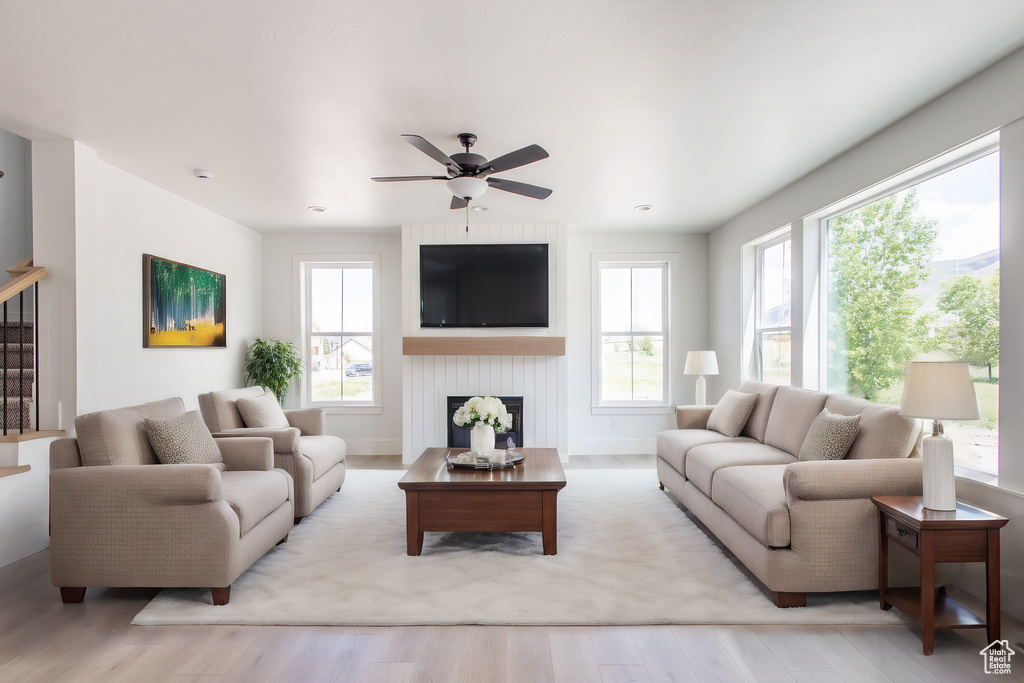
[(309, 421), (64, 453), (106, 486), (835, 479), (247, 453), (286, 439), (693, 417)]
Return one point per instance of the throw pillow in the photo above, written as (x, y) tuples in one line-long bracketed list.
[(731, 413), (183, 440), (830, 436), (263, 411)]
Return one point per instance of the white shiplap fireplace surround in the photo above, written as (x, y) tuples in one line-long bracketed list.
[(427, 380)]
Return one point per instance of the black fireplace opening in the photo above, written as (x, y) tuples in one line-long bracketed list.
[(458, 437)]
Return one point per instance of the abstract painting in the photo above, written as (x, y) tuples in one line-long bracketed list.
[(181, 305)]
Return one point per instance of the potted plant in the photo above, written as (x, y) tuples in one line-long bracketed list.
[(273, 365)]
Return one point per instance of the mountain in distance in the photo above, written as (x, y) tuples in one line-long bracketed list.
[(979, 265)]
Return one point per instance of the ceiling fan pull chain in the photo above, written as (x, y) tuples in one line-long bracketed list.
[(467, 218)]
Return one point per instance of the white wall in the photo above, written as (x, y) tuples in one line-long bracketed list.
[(364, 434), (540, 380), (688, 323), (15, 199), (134, 217), (990, 101)]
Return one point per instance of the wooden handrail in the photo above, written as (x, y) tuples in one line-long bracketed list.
[(25, 275)]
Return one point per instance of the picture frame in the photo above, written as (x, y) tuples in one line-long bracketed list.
[(182, 305)]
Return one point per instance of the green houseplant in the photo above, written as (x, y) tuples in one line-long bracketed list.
[(273, 365)]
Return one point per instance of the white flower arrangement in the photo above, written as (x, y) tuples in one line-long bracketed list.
[(483, 410)]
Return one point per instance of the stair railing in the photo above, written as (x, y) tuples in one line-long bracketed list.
[(26, 276)]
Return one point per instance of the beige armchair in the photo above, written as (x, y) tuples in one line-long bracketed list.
[(315, 460), (118, 518)]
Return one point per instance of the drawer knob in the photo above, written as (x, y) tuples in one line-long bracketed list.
[(901, 532)]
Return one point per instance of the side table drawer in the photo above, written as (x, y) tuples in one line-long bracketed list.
[(901, 533)]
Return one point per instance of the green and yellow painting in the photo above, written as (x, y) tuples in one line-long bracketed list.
[(182, 305)]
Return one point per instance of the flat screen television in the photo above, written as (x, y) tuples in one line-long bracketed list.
[(484, 285)]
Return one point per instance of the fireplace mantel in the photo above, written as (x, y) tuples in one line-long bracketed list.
[(483, 346)]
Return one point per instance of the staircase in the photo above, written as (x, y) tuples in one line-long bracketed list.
[(17, 384)]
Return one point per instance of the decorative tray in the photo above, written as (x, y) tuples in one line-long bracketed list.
[(498, 460)]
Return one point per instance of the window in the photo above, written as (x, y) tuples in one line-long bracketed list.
[(914, 275), (341, 333), (631, 312), (774, 328)]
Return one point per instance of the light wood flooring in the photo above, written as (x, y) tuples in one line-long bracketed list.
[(44, 640)]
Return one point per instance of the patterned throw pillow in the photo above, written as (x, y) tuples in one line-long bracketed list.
[(263, 411), (183, 440), (731, 413), (830, 436)]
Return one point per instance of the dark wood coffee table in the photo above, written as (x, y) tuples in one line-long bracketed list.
[(520, 498)]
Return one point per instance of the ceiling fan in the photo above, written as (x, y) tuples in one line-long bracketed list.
[(469, 174)]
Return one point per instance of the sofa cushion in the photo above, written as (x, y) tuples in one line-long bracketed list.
[(262, 412), (758, 420), (674, 444), (218, 407), (830, 436), (703, 461), (323, 451), (118, 437), (183, 440), (793, 411), (883, 433), (254, 495), (731, 413), (755, 498)]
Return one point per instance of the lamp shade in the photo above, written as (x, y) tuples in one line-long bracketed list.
[(701, 363), (466, 187), (939, 391)]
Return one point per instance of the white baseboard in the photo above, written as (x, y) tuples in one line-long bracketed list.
[(613, 446), (373, 446), (23, 542)]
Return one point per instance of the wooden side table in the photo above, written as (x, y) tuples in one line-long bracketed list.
[(966, 534)]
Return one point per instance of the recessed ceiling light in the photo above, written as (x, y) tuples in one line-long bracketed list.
[(480, 208), (643, 207), (317, 209), (201, 174)]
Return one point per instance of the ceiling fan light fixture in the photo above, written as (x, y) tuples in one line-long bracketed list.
[(467, 187)]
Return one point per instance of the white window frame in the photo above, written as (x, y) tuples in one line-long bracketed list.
[(944, 163), (304, 266), (779, 237), (598, 262)]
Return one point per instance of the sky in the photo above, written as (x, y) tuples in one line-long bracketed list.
[(965, 201)]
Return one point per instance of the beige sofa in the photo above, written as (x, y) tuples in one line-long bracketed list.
[(118, 518), (315, 460), (798, 526)]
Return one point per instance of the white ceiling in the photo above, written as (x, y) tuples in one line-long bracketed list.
[(699, 107)]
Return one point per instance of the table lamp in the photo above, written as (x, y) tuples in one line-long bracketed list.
[(701, 363), (938, 391)]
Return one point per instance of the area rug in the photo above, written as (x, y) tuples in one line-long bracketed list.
[(627, 554)]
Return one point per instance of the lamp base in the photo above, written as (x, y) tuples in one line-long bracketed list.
[(702, 391), (939, 482)]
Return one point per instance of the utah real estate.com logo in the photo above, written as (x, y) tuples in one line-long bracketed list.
[(997, 657)]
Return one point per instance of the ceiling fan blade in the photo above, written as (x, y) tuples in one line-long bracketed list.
[(459, 203), (432, 152), (403, 178), (520, 157), (519, 188)]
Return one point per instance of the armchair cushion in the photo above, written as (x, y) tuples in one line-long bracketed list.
[(262, 412), (118, 437), (183, 440), (254, 495)]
